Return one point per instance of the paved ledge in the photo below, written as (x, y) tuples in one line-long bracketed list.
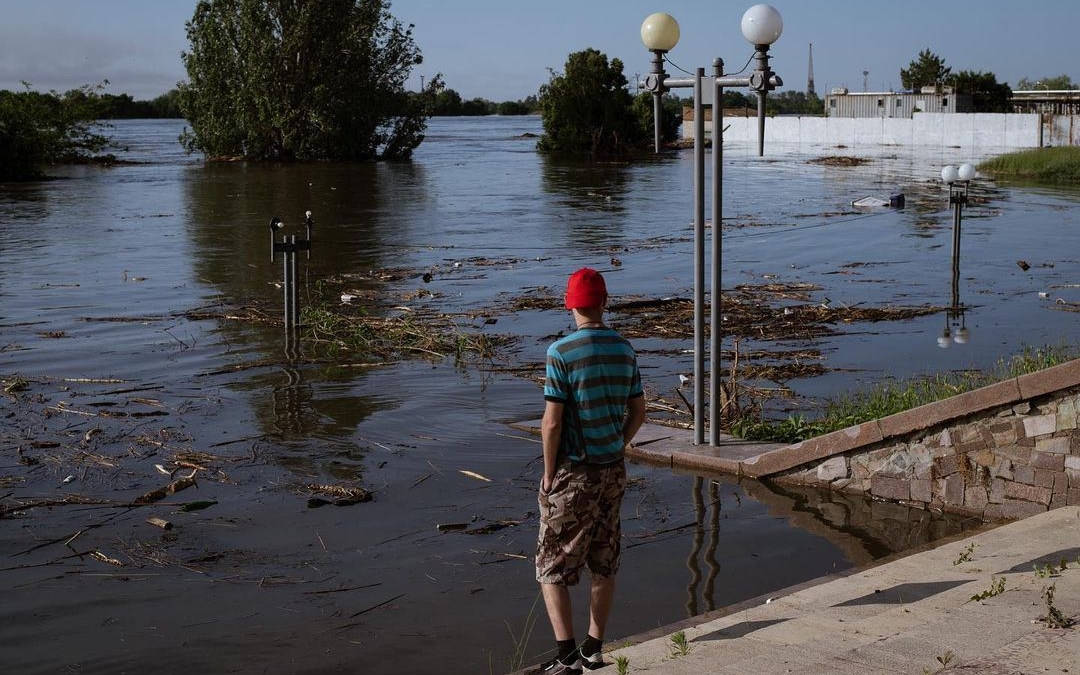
[(901, 616), (674, 447)]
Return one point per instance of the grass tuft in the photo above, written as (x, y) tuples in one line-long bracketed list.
[(1039, 165), (894, 396)]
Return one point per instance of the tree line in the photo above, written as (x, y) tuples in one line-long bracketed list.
[(325, 80)]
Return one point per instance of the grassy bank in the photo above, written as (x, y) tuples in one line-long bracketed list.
[(1040, 165), (896, 396)]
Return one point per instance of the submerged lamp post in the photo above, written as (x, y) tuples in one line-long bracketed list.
[(761, 26), (958, 178)]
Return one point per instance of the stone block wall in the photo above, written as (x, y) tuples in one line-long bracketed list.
[(1000, 463)]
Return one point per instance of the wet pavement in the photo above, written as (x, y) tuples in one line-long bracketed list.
[(976, 604)]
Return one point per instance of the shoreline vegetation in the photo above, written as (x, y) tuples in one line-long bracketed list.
[(1051, 166), (372, 326), (895, 396)]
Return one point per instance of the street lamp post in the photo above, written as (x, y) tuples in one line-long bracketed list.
[(761, 26), (958, 178)]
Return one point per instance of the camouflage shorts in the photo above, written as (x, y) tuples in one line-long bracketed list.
[(579, 523)]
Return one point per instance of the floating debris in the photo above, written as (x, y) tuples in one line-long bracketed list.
[(163, 492), (473, 474), (342, 495)]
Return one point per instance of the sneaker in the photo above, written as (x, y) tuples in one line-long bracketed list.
[(592, 661), (571, 665)]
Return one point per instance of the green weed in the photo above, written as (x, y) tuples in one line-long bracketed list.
[(16, 384), (945, 659), (997, 587), (1054, 618), (622, 665), (679, 644), (521, 642), (965, 555)]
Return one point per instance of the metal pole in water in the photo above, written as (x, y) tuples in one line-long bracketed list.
[(715, 335), (295, 304), (699, 261), (289, 250)]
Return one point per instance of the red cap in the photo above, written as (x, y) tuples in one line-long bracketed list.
[(585, 289)]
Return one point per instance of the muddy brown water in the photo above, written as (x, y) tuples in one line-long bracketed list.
[(117, 296)]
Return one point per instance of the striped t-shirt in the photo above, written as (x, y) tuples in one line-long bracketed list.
[(593, 372)]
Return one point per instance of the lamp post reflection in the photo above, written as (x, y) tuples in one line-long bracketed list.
[(708, 592), (958, 179)]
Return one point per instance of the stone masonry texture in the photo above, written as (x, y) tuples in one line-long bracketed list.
[(1001, 459)]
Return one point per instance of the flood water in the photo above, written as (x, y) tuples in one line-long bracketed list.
[(111, 296)]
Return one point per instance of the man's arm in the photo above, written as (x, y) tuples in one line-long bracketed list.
[(635, 417), (551, 433)]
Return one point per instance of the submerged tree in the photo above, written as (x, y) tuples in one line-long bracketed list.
[(670, 116), (318, 79), (37, 129), (929, 70), (588, 109)]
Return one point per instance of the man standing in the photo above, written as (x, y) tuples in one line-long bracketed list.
[(594, 404)]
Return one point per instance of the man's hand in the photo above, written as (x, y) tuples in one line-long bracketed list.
[(550, 433)]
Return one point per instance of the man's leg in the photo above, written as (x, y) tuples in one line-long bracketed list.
[(557, 601), (600, 599)]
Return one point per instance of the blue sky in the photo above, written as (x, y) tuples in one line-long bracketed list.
[(502, 49)]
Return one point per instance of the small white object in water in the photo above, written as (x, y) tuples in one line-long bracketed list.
[(683, 380), (1044, 294), (347, 298), (69, 479)]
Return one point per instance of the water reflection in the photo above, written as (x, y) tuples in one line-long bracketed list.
[(858, 529), (21, 205), (956, 329), (595, 194), (363, 212), (291, 404), (586, 186), (709, 556), (863, 529), (296, 402)]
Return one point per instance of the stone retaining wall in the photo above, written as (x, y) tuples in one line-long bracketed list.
[(1008, 456)]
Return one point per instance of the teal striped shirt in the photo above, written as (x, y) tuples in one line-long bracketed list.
[(593, 372)]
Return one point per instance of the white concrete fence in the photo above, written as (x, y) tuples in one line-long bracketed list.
[(981, 132)]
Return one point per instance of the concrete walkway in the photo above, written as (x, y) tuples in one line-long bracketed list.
[(915, 614), (912, 614)]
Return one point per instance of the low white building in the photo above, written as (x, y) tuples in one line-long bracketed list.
[(843, 103)]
